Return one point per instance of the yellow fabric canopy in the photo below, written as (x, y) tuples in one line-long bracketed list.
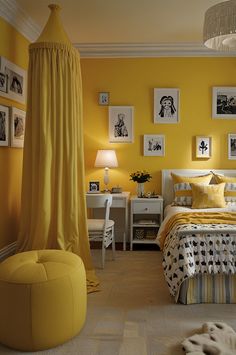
[(53, 213)]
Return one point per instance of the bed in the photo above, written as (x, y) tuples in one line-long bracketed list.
[(199, 244)]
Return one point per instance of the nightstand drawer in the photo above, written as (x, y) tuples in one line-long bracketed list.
[(139, 207)]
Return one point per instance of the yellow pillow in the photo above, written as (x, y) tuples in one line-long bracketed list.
[(230, 187), (208, 196), (182, 188)]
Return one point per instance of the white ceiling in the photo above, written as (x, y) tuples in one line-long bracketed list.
[(126, 21)]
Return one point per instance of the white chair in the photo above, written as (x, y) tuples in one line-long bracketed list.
[(101, 229)]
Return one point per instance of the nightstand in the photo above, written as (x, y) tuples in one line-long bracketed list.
[(146, 217)]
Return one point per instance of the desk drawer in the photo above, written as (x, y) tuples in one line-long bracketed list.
[(154, 207), (118, 202)]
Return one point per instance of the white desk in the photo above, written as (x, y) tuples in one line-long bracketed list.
[(121, 200)]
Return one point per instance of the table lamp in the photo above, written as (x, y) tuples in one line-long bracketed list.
[(106, 159)]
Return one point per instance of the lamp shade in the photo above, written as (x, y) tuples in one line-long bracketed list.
[(106, 159), (219, 31)]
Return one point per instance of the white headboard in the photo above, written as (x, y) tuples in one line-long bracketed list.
[(167, 184)]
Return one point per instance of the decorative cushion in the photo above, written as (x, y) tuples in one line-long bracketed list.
[(208, 196), (43, 299), (230, 187), (182, 187)]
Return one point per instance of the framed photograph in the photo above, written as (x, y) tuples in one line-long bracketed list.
[(94, 187), (13, 81), (4, 126), (103, 98), (17, 128), (203, 147), (224, 102), (232, 146), (166, 105), (121, 124), (154, 145)]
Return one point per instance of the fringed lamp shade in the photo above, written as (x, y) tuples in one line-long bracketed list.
[(219, 30)]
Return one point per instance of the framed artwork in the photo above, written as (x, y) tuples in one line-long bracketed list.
[(154, 145), (4, 126), (232, 146), (17, 128), (203, 147), (224, 102), (103, 98), (13, 81), (121, 124), (166, 105), (94, 186)]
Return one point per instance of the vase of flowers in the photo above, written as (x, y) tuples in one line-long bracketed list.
[(140, 177)]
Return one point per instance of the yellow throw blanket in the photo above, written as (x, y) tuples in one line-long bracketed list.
[(196, 218)]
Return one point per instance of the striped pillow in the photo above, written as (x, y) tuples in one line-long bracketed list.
[(182, 187), (230, 188)]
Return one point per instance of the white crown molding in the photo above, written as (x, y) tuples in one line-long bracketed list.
[(13, 13), (136, 50)]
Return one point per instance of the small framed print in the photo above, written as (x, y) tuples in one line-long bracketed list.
[(224, 102), (4, 126), (121, 124), (166, 105), (13, 81), (17, 128), (203, 147), (154, 145), (232, 146), (103, 98), (94, 187)]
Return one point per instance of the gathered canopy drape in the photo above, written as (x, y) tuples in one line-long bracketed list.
[(53, 212)]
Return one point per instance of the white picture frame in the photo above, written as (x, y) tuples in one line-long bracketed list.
[(154, 145), (17, 127), (203, 147), (121, 124), (232, 146), (94, 187), (14, 81), (224, 102), (166, 105), (103, 98), (4, 126)]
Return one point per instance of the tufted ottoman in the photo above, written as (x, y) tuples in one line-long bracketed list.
[(43, 299)]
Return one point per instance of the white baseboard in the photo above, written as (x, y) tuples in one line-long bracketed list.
[(8, 250)]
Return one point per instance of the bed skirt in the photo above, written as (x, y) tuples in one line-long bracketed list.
[(204, 288)]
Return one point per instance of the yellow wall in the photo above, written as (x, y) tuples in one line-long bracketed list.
[(131, 82), (14, 47)]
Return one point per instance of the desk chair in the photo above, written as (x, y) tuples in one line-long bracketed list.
[(101, 229)]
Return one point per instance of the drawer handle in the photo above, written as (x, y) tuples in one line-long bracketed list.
[(146, 209)]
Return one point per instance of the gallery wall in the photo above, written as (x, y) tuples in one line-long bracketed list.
[(131, 82), (14, 47)]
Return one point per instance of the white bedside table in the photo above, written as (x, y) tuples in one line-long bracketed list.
[(146, 215)]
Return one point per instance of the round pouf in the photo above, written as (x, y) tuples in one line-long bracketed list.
[(43, 299)]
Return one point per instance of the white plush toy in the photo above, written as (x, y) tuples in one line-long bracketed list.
[(217, 339)]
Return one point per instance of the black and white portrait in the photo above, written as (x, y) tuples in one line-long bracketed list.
[(153, 145), (232, 146), (94, 186), (17, 128), (4, 125), (120, 124), (3, 82), (166, 105), (224, 102), (203, 147), (13, 81)]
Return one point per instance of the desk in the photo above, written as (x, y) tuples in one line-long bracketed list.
[(121, 200)]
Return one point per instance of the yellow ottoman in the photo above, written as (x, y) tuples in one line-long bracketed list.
[(43, 299)]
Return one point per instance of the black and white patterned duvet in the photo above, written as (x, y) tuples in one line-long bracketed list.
[(192, 249)]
